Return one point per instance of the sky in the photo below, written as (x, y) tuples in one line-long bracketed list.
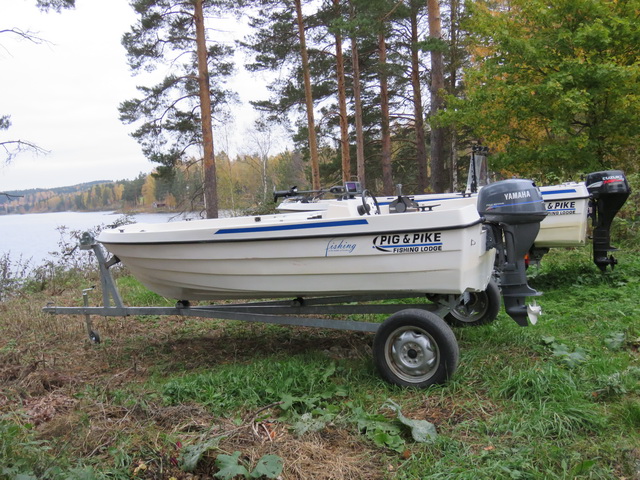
[(63, 95)]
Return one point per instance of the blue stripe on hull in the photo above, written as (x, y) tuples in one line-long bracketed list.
[(279, 228)]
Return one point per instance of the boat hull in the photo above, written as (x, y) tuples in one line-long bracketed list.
[(336, 252), (567, 212)]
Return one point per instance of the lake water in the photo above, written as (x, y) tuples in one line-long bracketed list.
[(33, 236)]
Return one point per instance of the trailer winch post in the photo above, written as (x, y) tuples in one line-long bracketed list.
[(109, 290)]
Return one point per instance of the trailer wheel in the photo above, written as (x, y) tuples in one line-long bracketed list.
[(415, 348), (476, 308)]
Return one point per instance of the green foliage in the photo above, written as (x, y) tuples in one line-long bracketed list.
[(167, 115), (20, 453), (378, 429), (56, 5), (557, 89), (25, 457), (230, 467), (564, 353), (65, 267), (574, 268), (421, 430), (134, 293), (190, 455), (299, 382), (618, 383), (538, 385), (615, 340), (269, 466), (631, 413)]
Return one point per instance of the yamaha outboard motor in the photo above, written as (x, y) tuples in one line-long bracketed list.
[(609, 190), (513, 209)]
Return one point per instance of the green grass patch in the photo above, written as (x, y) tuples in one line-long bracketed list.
[(233, 387), (134, 293)]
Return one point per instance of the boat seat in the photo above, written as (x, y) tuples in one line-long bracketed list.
[(342, 210)]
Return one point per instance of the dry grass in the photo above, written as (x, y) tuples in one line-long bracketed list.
[(52, 377)]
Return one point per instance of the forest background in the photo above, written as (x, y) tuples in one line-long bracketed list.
[(384, 91)]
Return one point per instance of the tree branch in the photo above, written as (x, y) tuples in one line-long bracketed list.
[(14, 147)]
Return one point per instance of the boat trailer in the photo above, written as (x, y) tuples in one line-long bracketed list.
[(413, 347)]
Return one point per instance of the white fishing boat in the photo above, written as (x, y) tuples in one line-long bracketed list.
[(566, 222), (336, 251), (354, 247)]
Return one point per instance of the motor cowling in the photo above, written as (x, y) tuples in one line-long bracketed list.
[(609, 191), (513, 209)]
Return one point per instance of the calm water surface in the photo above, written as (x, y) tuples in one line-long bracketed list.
[(33, 236)]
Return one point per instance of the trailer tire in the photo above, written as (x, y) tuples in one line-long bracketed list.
[(480, 309), (415, 348)]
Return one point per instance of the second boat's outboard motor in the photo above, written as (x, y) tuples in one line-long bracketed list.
[(609, 190), (513, 209)]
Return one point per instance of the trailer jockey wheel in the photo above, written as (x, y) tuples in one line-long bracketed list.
[(369, 204), (94, 337), (415, 348)]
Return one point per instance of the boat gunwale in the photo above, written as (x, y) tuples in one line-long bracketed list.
[(562, 193), (280, 238)]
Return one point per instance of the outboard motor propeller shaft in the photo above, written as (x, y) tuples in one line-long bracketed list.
[(513, 209), (609, 191)]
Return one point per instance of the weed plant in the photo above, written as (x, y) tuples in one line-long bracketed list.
[(165, 397), (64, 268)]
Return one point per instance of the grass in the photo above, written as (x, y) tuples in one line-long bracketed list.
[(166, 397)]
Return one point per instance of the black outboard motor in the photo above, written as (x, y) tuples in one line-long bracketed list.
[(609, 190), (513, 209)]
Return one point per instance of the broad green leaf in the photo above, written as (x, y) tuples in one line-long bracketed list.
[(421, 430), (190, 455), (269, 466), (307, 423), (229, 466), (385, 439)]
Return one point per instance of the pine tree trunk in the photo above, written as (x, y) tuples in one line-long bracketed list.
[(209, 159), (454, 160), (453, 78), (387, 175), (313, 143), (438, 171), (357, 100), (421, 147), (342, 102)]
